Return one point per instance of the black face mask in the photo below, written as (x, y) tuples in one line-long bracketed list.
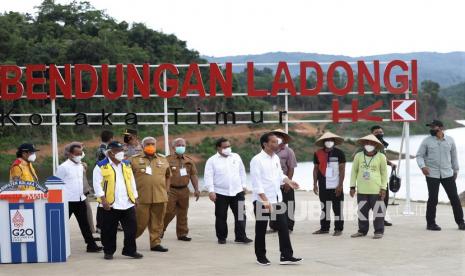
[(127, 138), (380, 137), (433, 132)]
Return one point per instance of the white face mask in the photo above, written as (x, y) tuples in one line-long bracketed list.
[(280, 141), (119, 156), (369, 148), (78, 158), (226, 151), (329, 144), (32, 157)]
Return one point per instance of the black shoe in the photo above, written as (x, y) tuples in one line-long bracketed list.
[(263, 261), (289, 260), (221, 241), (94, 249), (135, 255), (159, 248), (244, 240), (108, 257), (320, 232), (462, 226), (433, 227), (387, 223), (184, 238)]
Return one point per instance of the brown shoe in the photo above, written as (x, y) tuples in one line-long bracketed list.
[(337, 233)]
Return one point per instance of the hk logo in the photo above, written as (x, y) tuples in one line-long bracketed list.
[(18, 220)]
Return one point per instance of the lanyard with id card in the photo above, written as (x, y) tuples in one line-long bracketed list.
[(148, 170), (182, 171), (366, 172), (329, 169)]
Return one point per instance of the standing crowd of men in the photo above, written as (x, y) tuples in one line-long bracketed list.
[(138, 188)]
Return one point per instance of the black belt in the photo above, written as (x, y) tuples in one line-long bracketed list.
[(179, 187)]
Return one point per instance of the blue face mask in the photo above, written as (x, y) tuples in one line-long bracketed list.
[(180, 150)]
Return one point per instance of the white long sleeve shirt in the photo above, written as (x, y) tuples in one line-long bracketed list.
[(122, 201), (225, 175), (266, 177), (72, 175)]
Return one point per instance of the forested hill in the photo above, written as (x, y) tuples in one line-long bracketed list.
[(444, 68), (78, 33)]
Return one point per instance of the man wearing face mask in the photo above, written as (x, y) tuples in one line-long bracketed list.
[(22, 169), (131, 143), (225, 179), (152, 173), (369, 179), (267, 177), (437, 159), (184, 171), (328, 178), (72, 173), (288, 164), (115, 188), (379, 133)]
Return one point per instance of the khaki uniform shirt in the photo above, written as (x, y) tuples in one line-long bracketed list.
[(151, 186), (182, 167), (130, 150)]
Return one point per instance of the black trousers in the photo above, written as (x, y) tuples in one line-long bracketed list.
[(329, 199), (98, 217), (79, 209), (109, 229), (373, 202), (451, 190), (237, 205), (261, 223), (386, 198), (289, 201)]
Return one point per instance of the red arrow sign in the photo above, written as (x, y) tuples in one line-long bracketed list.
[(404, 110)]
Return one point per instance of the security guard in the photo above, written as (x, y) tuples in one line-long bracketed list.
[(22, 169), (183, 170), (152, 173), (131, 143)]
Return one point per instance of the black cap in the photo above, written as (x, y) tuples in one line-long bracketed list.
[(115, 145), (27, 148), (129, 131), (434, 123)]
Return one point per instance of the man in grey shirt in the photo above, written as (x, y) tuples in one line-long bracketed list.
[(288, 164), (437, 158)]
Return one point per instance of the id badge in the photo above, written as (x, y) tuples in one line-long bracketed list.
[(366, 175), (148, 170), (183, 171), (329, 172)]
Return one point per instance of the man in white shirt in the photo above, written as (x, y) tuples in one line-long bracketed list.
[(267, 177), (225, 179), (115, 188), (72, 173)]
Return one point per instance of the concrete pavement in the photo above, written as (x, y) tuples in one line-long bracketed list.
[(406, 249)]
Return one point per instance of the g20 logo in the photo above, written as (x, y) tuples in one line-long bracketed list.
[(22, 232)]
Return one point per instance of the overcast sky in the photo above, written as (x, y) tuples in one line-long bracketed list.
[(353, 28)]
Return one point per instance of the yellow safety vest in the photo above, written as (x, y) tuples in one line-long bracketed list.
[(23, 171), (109, 180)]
